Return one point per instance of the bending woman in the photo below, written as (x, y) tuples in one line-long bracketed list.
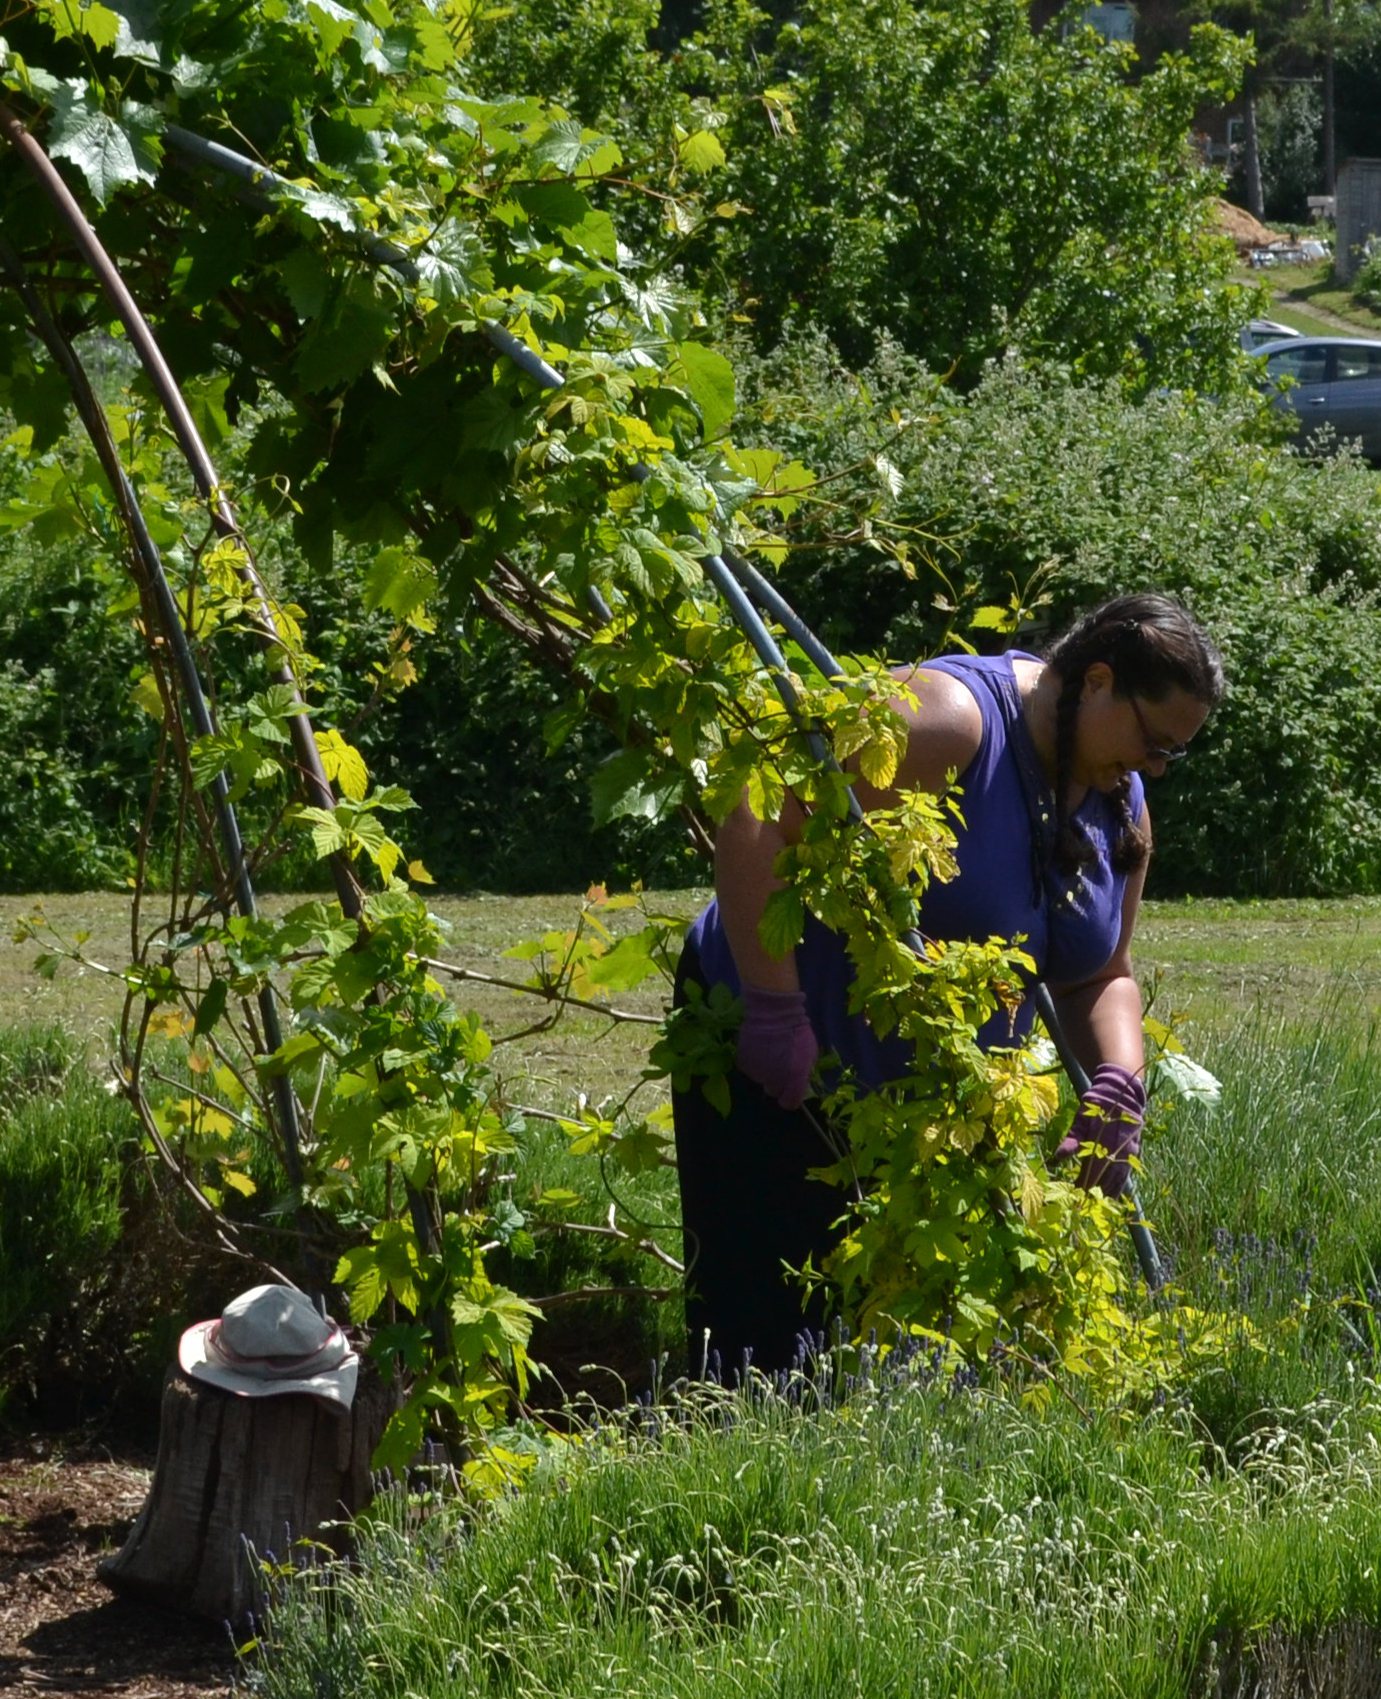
[(1049, 754)]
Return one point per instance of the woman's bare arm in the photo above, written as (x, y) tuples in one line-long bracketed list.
[(946, 727), (1101, 1016)]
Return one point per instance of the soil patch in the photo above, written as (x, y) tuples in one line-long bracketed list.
[(1247, 232), (61, 1631)]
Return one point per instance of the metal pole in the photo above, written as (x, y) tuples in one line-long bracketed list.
[(193, 693)]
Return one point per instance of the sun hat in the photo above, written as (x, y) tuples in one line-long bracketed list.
[(271, 1340)]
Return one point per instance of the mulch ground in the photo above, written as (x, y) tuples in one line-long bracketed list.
[(62, 1632)]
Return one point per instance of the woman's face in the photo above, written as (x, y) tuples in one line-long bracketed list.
[(1116, 735)]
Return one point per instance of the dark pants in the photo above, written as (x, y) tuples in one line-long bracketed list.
[(747, 1208)]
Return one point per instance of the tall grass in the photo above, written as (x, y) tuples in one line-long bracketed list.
[(1291, 1155), (915, 1540), (909, 1541), (66, 1146)]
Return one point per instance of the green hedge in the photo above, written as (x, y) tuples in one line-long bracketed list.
[(1064, 493)]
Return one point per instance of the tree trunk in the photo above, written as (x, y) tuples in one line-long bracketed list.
[(1330, 115), (1251, 147), (237, 1478)]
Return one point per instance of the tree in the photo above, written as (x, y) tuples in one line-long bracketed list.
[(944, 175)]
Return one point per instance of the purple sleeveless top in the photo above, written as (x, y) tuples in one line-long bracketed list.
[(1069, 923)]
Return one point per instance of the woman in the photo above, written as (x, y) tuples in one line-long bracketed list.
[(1053, 846)]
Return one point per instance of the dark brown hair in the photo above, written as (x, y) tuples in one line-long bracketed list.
[(1153, 647)]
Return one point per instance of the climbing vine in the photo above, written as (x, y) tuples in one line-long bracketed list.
[(413, 306)]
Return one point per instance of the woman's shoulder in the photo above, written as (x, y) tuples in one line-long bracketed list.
[(947, 723)]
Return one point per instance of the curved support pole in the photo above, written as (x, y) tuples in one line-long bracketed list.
[(149, 563), (194, 450)]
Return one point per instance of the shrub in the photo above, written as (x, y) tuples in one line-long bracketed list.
[(1058, 494), (91, 1293)]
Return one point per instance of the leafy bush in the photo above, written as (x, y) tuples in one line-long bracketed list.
[(75, 756), (77, 753), (947, 175), (88, 1304), (1057, 493), (1366, 282)]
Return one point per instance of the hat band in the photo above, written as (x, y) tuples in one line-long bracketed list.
[(328, 1356)]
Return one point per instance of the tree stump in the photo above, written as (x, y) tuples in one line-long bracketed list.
[(239, 1475)]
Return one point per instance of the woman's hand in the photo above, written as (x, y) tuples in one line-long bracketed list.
[(1110, 1115), (777, 1048)]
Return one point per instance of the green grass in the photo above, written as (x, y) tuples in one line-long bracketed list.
[(582, 1053), (1307, 298), (902, 1538), (903, 1541), (1204, 960)]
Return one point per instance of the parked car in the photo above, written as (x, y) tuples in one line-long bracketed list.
[(1259, 331), (1336, 380)]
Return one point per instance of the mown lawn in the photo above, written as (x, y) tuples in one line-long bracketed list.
[(1206, 960)]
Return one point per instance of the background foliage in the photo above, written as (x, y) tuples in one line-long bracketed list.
[(944, 175)]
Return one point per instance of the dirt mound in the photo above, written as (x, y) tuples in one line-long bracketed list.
[(1246, 231)]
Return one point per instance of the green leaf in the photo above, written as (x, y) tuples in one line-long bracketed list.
[(361, 1272), (393, 798), (346, 341), (210, 1008), (108, 152), (328, 834), (399, 582), (710, 380), (563, 207), (574, 150), (145, 694), (306, 277), (622, 788), (454, 265), (98, 24), (701, 152), (766, 793), (403, 1437), (783, 923), (343, 764), (334, 23)]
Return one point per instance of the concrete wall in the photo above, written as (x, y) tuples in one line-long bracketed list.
[(1359, 212)]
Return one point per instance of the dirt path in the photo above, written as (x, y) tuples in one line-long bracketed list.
[(62, 1634), (1288, 298)]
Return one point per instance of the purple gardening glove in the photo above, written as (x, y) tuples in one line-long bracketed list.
[(776, 1045), (1110, 1114)]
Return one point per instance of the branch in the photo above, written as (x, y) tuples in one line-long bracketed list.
[(647, 1246), (659, 1293), (550, 993)]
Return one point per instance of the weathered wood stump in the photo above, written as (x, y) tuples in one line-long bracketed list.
[(236, 1473)]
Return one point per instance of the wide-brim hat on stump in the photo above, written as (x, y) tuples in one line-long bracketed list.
[(272, 1340)]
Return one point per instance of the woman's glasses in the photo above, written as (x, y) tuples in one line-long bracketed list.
[(1154, 750)]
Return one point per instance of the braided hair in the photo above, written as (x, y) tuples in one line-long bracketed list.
[(1153, 647)]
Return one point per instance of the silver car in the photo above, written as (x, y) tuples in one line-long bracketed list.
[(1257, 331), (1336, 380)]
